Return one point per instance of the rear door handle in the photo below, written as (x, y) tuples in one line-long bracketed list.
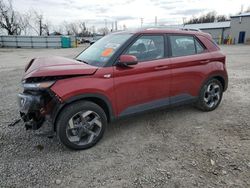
[(205, 61), (161, 67)]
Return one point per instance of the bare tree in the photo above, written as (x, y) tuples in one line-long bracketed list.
[(103, 31), (66, 28), (24, 24), (10, 20), (71, 28), (57, 29), (46, 28), (37, 23), (208, 18), (83, 30), (74, 28), (77, 28), (222, 18)]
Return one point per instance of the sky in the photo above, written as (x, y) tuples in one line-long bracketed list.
[(128, 12)]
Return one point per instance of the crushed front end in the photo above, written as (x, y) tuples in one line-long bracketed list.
[(36, 102)]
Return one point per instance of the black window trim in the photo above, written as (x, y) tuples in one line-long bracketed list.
[(189, 35), (196, 39), (166, 52)]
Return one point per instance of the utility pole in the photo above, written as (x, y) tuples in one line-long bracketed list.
[(93, 29), (116, 26), (156, 21), (124, 27), (84, 26), (112, 27), (40, 26), (105, 23), (183, 20), (141, 22), (242, 7)]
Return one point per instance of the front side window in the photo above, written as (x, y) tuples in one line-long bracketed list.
[(147, 47), (182, 45), (102, 50)]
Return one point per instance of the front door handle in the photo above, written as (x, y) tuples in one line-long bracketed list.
[(162, 67)]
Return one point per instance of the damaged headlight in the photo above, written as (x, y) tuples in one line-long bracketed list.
[(40, 85)]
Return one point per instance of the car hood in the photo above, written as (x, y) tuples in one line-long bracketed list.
[(57, 66)]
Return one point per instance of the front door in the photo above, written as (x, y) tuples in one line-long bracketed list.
[(242, 37), (145, 85)]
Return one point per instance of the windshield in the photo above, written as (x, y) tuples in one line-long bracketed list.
[(99, 53)]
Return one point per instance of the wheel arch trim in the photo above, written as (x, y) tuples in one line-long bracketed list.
[(104, 99), (220, 77)]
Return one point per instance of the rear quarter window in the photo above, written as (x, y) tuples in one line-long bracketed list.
[(200, 48), (208, 43)]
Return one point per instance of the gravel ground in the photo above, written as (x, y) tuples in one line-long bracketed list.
[(180, 147)]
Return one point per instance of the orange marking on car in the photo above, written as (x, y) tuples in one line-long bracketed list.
[(107, 52)]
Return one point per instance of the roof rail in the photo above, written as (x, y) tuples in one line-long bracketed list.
[(162, 27), (191, 29), (173, 27)]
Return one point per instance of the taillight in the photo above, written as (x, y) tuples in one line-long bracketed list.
[(28, 65)]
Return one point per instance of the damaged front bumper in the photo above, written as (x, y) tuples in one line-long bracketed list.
[(30, 110), (34, 107)]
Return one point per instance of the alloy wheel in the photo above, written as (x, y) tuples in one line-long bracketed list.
[(212, 95), (84, 127)]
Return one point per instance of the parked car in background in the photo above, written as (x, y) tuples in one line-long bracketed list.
[(85, 40), (121, 74), (95, 38)]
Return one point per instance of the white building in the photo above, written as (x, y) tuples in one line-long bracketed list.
[(237, 30)]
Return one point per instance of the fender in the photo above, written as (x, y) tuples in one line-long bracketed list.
[(219, 71), (221, 77), (60, 105)]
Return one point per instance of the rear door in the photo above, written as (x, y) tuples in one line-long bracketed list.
[(145, 85), (189, 62)]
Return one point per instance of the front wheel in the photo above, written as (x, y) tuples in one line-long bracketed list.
[(81, 125), (210, 95)]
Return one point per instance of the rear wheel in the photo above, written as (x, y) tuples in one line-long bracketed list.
[(81, 125), (210, 95)]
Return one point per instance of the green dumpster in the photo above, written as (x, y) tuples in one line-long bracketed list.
[(66, 42)]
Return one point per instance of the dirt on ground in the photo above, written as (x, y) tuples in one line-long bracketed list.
[(180, 147)]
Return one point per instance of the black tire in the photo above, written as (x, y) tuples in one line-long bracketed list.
[(69, 112), (201, 103)]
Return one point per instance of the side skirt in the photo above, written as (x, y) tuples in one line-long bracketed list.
[(159, 104)]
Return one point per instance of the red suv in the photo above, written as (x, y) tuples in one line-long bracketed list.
[(121, 74)]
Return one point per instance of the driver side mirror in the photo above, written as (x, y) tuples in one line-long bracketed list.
[(127, 60)]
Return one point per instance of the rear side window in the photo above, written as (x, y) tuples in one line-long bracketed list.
[(185, 45)]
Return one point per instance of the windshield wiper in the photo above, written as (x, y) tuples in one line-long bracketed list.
[(82, 61)]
